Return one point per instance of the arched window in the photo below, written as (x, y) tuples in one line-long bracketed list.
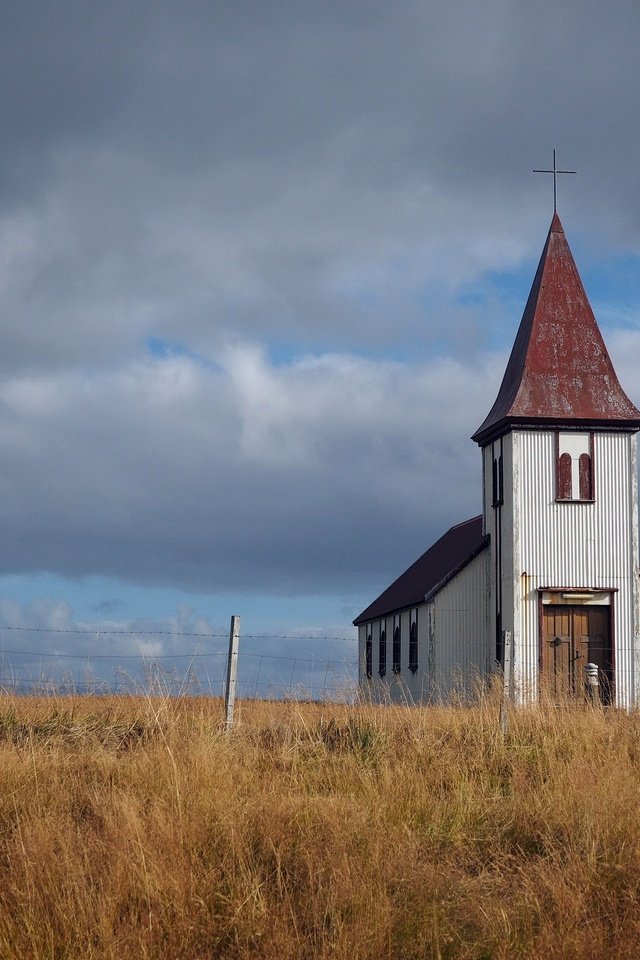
[(564, 477), (382, 653), (397, 649), (584, 468), (413, 646), (368, 657)]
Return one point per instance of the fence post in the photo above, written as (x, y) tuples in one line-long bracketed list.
[(232, 672), (507, 669)]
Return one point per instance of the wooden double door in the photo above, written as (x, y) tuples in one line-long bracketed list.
[(573, 636)]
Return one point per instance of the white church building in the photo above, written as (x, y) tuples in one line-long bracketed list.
[(551, 564)]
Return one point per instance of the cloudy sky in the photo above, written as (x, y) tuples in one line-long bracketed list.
[(261, 265)]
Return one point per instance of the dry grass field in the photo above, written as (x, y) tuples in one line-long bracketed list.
[(133, 828)]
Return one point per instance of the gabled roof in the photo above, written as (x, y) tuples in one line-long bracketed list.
[(429, 574), (559, 371)]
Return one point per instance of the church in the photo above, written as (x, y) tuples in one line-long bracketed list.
[(547, 575)]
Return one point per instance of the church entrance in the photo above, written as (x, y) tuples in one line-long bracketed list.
[(572, 637)]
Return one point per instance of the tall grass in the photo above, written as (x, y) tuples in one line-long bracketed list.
[(137, 828)]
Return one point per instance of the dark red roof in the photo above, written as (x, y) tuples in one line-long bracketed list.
[(559, 371), (424, 578)]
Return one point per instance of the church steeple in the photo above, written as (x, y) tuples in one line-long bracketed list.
[(559, 372)]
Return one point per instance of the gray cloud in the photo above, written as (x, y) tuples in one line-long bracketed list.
[(321, 176), (275, 477), (246, 323)]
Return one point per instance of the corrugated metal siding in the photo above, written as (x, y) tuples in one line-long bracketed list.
[(579, 545), (405, 687), (503, 528), (460, 614), (635, 659)]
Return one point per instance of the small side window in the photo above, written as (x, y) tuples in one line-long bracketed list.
[(368, 657), (382, 653), (497, 482), (413, 647), (397, 650), (499, 641)]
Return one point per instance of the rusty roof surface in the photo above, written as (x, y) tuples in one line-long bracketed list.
[(435, 568), (559, 371)]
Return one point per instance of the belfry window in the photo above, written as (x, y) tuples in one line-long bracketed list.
[(585, 476), (574, 467)]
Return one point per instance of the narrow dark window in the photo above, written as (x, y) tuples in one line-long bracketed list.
[(368, 657), (564, 477), (497, 487), (413, 647), (382, 653), (584, 472), (397, 650), (499, 640)]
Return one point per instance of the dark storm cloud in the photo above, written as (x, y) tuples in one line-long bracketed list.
[(279, 191), (314, 173)]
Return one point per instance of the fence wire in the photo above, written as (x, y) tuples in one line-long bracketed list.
[(310, 673)]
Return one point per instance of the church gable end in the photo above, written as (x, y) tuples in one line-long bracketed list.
[(430, 572)]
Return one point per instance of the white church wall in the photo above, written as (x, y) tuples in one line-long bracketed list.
[(459, 615), (501, 525), (635, 539), (577, 545)]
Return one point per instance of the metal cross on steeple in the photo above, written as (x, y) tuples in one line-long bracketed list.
[(555, 173)]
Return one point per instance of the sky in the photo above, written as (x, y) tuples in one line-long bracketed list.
[(261, 267)]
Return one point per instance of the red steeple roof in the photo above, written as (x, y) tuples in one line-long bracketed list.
[(559, 371)]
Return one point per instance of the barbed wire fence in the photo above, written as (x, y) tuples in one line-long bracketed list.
[(321, 668)]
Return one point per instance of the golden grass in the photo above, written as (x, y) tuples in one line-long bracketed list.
[(133, 828)]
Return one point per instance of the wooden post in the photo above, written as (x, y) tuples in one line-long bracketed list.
[(507, 673), (232, 672)]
